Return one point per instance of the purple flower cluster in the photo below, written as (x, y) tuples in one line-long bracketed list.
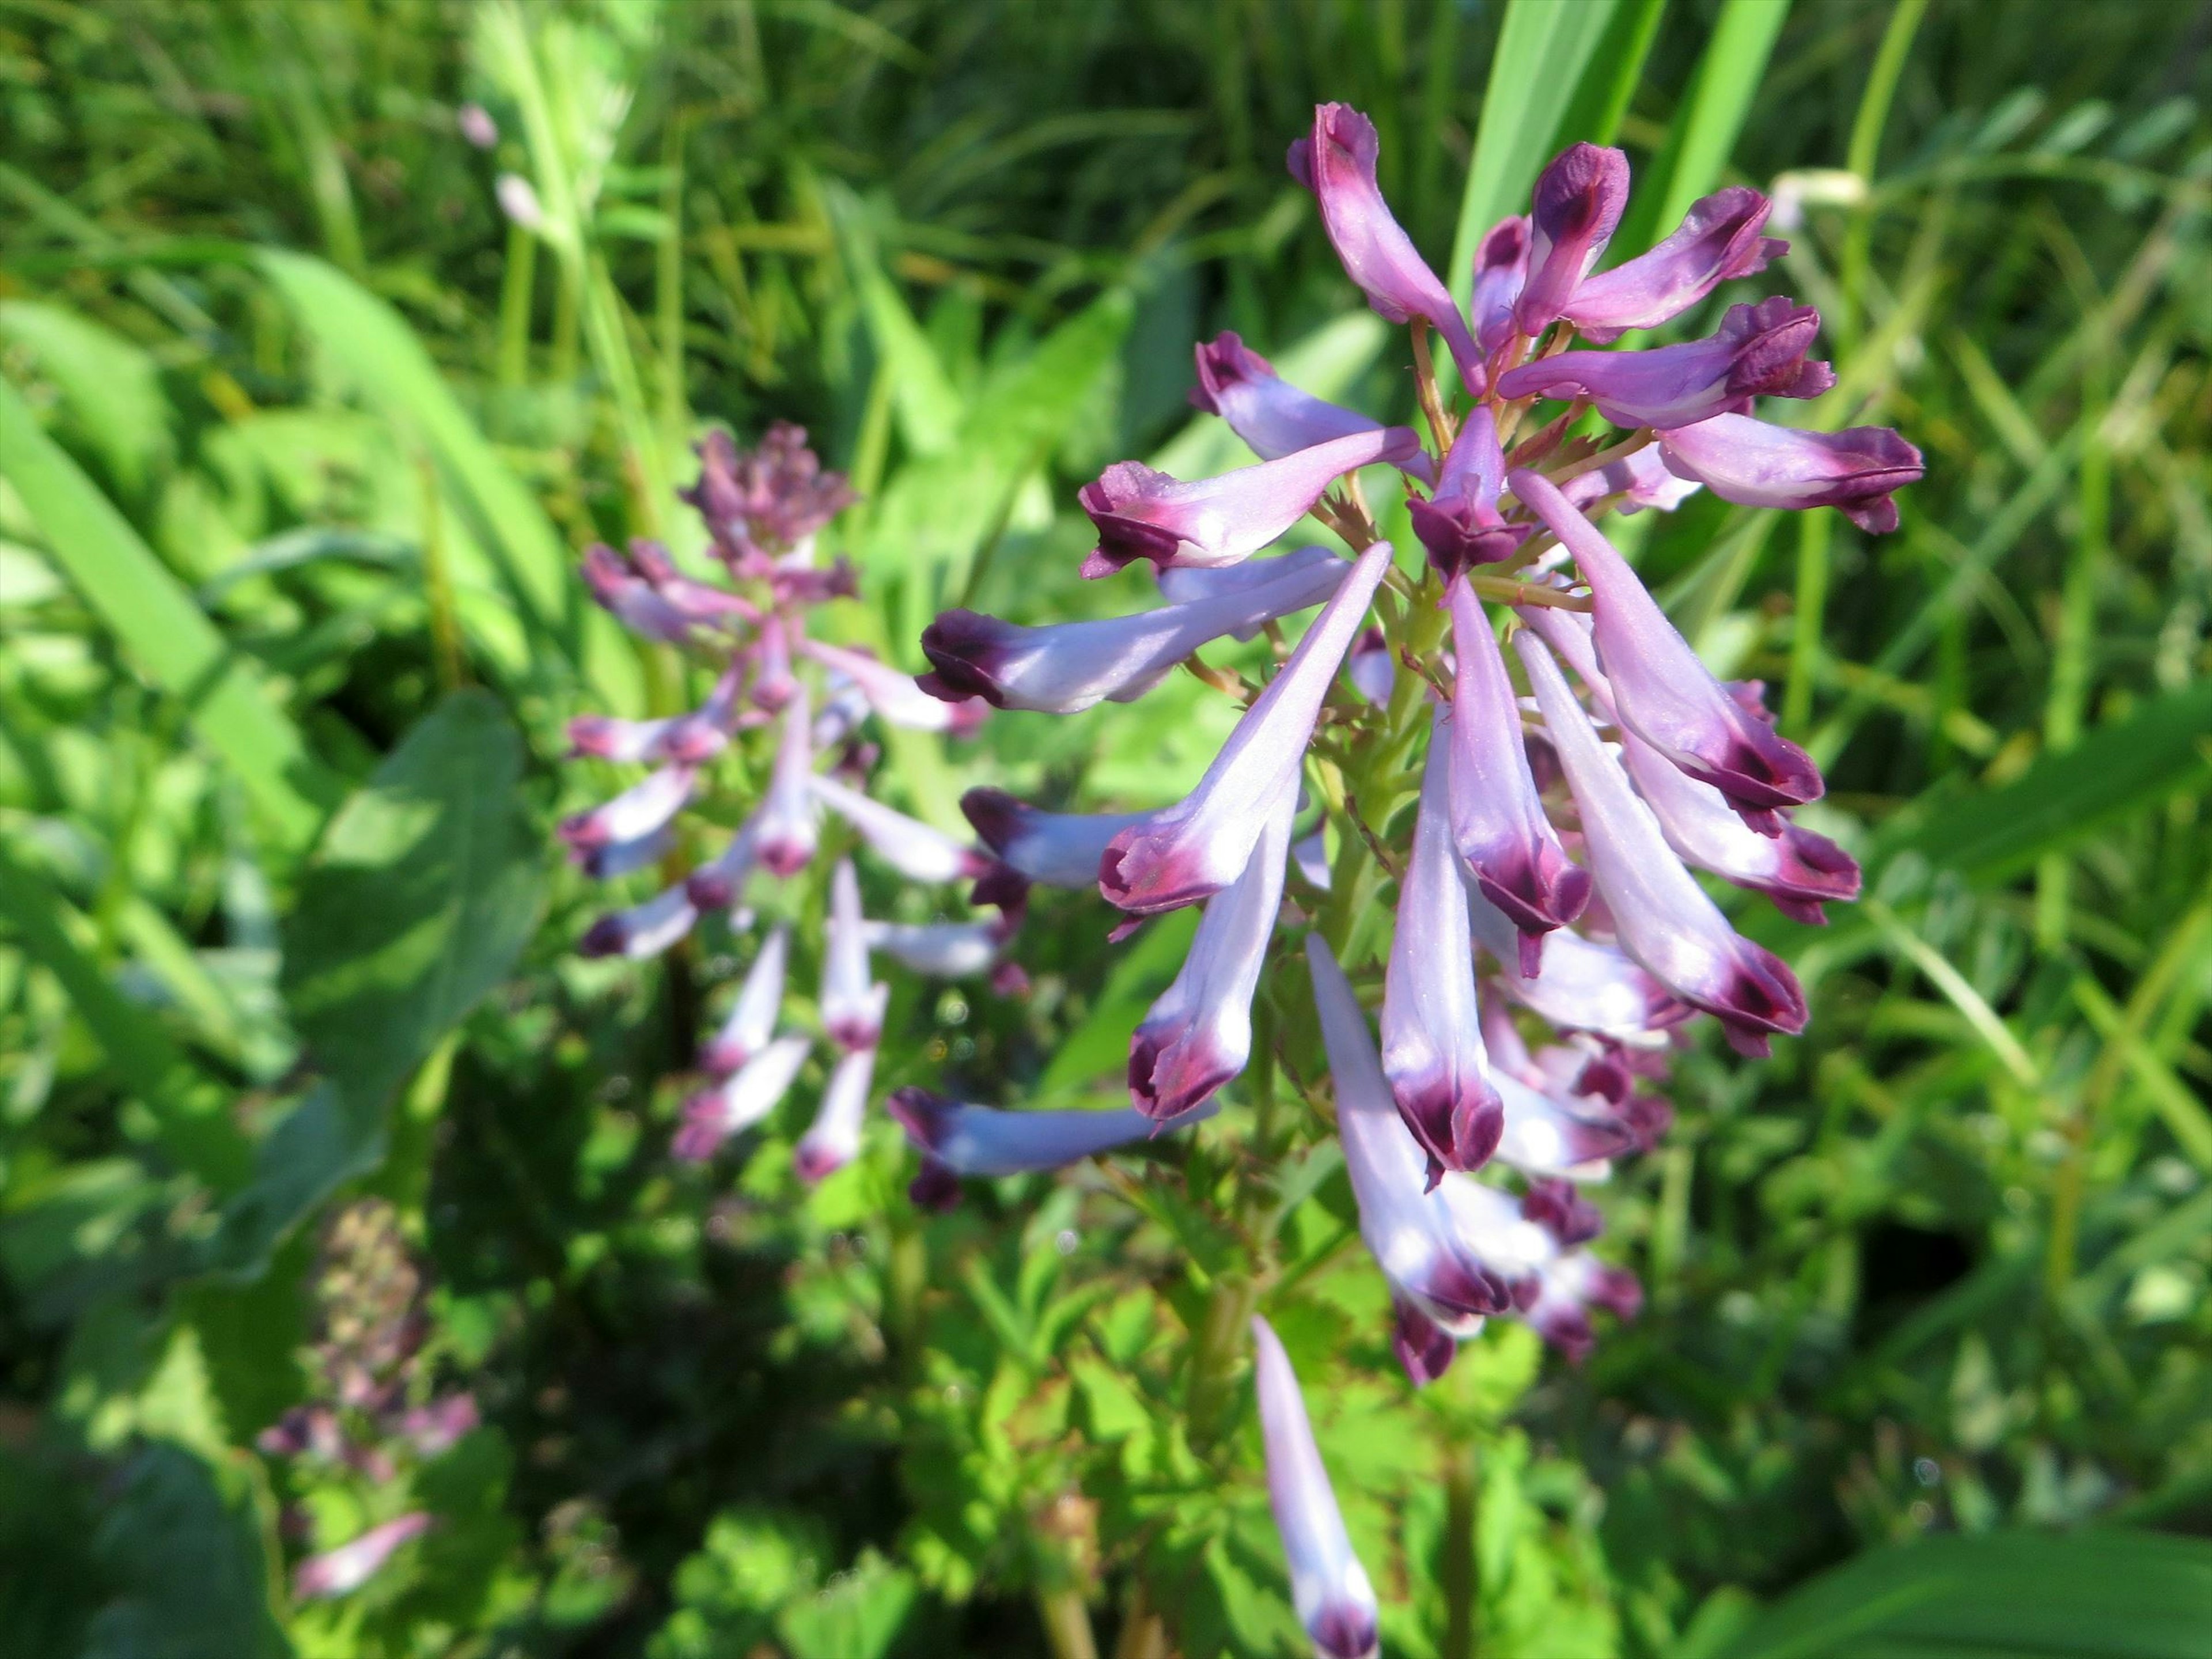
[(807, 700), (1555, 823)]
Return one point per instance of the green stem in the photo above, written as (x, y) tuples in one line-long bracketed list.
[(1462, 1582), (517, 293), (1864, 152), (1066, 1623)]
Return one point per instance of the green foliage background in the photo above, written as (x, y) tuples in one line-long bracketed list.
[(298, 437)]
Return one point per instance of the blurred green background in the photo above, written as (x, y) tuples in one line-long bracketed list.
[(298, 436)]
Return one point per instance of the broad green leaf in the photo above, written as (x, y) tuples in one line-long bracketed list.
[(110, 387), (858, 1616), (164, 634), (2095, 1594), (1704, 132), (181, 1543), (416, 903), (2061, 798), (1543, 49)]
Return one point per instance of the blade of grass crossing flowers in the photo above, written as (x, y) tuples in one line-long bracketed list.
[(166, 635), (1705, 129)]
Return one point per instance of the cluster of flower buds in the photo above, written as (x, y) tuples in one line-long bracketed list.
[(1546, 878), (808, 700), (372, 1406)]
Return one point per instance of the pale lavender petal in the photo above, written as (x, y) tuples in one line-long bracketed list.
[(1460, 524), (1759, 352), (786, 831), (1578, 204), (437, 1427), (910, 846), (1198, 1035), (1433, 1049), (1663, 918), (1144, 514), (1370, 668), (1329, 1587), (834, 1140), (740, 1100), (982, 1141), (772, 682), (1186, 584), (1501, 268), (1756, 464), (751, 1019), (1664, 693), (852, 1006), (1069, 666), (894, 696), (638, 811), (344, 1569), (1497, 814), (1639, 479), (1570, 1288), (623, 858), (1584, 986), (1310, 858), (1337, 163), (938, 949), (1180, 854), (1273, 416), (1054, 850), (1720, 239), (643, 930), (1545, 1135)]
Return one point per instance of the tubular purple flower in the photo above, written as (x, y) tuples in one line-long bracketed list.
[(852, 1008), (1570, 1287), (1433, 1050), (1460, 524), (643, 930), (1663, 692), (834, 1140), (620, 591), (1545, 1135), (773, 683), (1759, 351), (689, 738), (1409, 1228), (1187, 584), (1584, 986), (910, 846), (938, 949), (1578, 200), (1144, 514), (1755, 464), (434, 1428), (1337, 163), (715, 884), (785, 832), (344, 1569), (740, 1100), (1053, 849), (751, 1019), (1497, 814), (623, 858), (1663, 918), (1501, 267), (1069, 666), (1273, 416), (894, 696), (1198, 1035), (1329, 1587), (640, 810), (982, 1141), (1180, 854), (1720, 239)]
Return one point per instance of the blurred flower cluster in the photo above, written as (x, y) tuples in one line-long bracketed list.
[(1550, 938), (792, 708)]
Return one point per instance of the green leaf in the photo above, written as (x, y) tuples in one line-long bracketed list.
[(858, 1616), (166, 636), (417, 902), (110, 387), (1543, 49), (2098, 1595), (1703, 134), (2062, 798), (183, 1545)]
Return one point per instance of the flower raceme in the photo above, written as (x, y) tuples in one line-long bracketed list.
[(799, 702)]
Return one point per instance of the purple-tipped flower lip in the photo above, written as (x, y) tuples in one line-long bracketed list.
[(1583, 986), (1759, 351), (1754, 463), (1559, 1207), (1337, 162), (638, 810), (1424, 1347), (347, 1568), (643, 930), (1663, 692), (1141, 514), (895, 697), (1576, 206), (1460, 524), (736, 1102), (1501, 267), (1182, 852), (1720, 239), (834, 1139)]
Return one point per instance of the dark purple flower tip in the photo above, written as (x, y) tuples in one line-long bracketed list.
[(1566, 1325), (1010, 979), (1755, 464), (1559, 1207), (1457, 536), (1607, 1076), (781, 857), (999, 884), (995, 816), (1615, 1289), (816, 1165), (920, 1112), (1124, 538), (1759, 995), (1424, 1347), (1501, 267), (607, 937), (966, 648), (1647, 1117), (692, 740), (1770, 340), (1225, 363), (701, 1133), (854, 1032), (1175, 1068), (711, 889), (935, 1188), (1458, 1128), (1145, 874), (1537, 893), (1811, 870), (1720, 239), (1577, 205), (1341, 1630), (719, 1057), (1461, 1285)]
